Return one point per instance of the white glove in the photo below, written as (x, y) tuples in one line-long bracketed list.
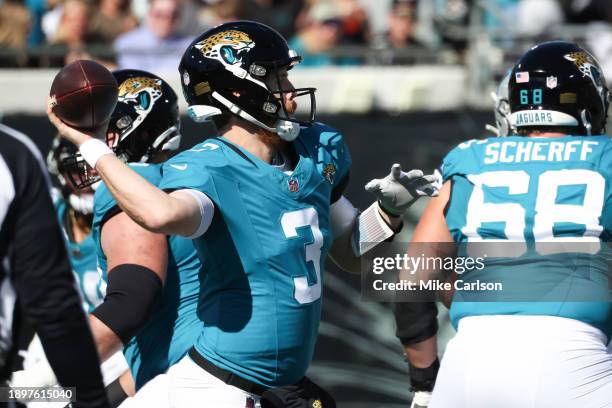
[(421, 399), (399, 190), (39, 374)]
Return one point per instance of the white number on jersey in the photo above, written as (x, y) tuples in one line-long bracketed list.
[(290, 222), (547, 210)]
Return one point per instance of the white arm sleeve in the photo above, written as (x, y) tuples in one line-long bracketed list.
[(207, 210), (342, 215)]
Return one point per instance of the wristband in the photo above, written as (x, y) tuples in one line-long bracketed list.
[(424, 379), (92, 150), (369, 230)]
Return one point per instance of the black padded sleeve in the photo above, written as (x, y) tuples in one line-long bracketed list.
[(132, 293), (416, 321)]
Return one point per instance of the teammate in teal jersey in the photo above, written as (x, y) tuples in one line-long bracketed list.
[(75, 213), (156, 326), (547, 188), (264, 204)]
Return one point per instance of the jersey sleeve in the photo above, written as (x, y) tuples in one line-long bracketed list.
[(451, 163), (188, 171), (105, 205)]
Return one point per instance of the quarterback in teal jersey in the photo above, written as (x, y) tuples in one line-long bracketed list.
[(542, 195), (264, 205)]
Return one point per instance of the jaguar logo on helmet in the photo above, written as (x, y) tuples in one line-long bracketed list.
[(228, 47), (586, 65), (141, 93)]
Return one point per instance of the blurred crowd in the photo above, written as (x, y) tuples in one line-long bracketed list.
[(152, 34)]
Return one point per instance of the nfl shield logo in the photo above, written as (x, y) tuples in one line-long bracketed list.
[(294, 187), (551, 82)]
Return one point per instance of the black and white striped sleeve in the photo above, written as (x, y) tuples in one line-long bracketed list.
[(36, 271)]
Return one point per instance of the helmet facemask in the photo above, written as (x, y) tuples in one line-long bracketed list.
[(62, 164), (501, 110), (261, 100)]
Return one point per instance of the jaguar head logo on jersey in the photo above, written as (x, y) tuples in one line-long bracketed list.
[(329, 171), (228, 47)]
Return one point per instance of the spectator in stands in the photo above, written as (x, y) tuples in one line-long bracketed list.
[(278, 14), (586, 11), (113, 18), (536, 17), (73, 29), (37, 9), (355, 24), (14, 24), (400, 35), (321, 33), (218, 12), (402, 23), (156, 46)]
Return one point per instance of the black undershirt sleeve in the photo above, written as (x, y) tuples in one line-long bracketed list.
[(339, 188)]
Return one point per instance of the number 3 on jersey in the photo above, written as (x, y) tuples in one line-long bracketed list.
[(291, 221), (547, 210)]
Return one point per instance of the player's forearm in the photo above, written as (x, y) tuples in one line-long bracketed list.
[(148, 206), (422, 354), (343, 255), (107, 342)]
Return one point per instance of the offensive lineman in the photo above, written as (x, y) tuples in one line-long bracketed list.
[(151, 280), (261, 202), (548, 185)]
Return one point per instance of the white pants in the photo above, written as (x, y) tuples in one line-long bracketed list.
[(190, 385), (153, 394), (524, 361)]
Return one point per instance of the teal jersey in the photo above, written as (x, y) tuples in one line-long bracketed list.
[(83, 261), (260, 297), (536, 193), (174, 325)]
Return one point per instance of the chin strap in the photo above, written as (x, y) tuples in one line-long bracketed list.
[(285, 129), (171, 139)]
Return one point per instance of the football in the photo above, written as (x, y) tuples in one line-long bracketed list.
[(83, 94)]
